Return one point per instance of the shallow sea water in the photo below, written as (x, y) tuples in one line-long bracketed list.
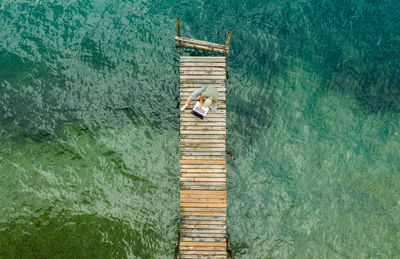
[(89, 127)]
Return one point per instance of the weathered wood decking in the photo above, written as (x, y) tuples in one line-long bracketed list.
[(203, 163)]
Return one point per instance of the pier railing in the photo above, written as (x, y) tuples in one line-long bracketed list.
[(200, 44)]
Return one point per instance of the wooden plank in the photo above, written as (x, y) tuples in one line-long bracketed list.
[(220, 113), (202, 68), (205, 77), (206, 149), (203, 222), (198, 138), (223, 58), (194, 46), (203, 72), (202, 196), (203, 64), (197, 212), (192, 141), (212, 117), (202, 145), (203, 153), (203, 157), (201, 187), (199, 217), (202, 179), (185, 95), (202, 257), (202, 170), (211, 253), (222, 167), (204, 192), (203, 132), (219, 231), (184, 86), (202, 162), (194, 171), (202, 199), (211, 114), (201, 127), (217, 158), (208, 226), (200, 183), (203, 209), (192, 149), (205, 175), (223, 244), (203, 81), (201, 248), (206, 119), (202, 205), (198, 59), (220, 103), (189, 144), (199, 142), (203, 123), (189, 90), (205, 232), (201, 42), (202, 239)]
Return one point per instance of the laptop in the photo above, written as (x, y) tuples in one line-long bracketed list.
[(199, 112)]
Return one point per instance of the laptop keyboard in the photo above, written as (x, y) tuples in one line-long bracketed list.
[(199, 110)]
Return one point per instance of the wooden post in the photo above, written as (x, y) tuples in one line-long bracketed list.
[(229, 249), (178, 26), (177, 246), (228, 39), (178, 30)]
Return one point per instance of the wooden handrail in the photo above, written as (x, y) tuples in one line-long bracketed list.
[(186, 45), (200, 44)]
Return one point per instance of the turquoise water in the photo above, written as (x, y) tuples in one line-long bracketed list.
[(89, 127)]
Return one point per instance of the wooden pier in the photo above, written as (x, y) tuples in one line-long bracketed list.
[(203, 163)]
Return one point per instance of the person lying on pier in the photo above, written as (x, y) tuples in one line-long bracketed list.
[(208, 97)]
